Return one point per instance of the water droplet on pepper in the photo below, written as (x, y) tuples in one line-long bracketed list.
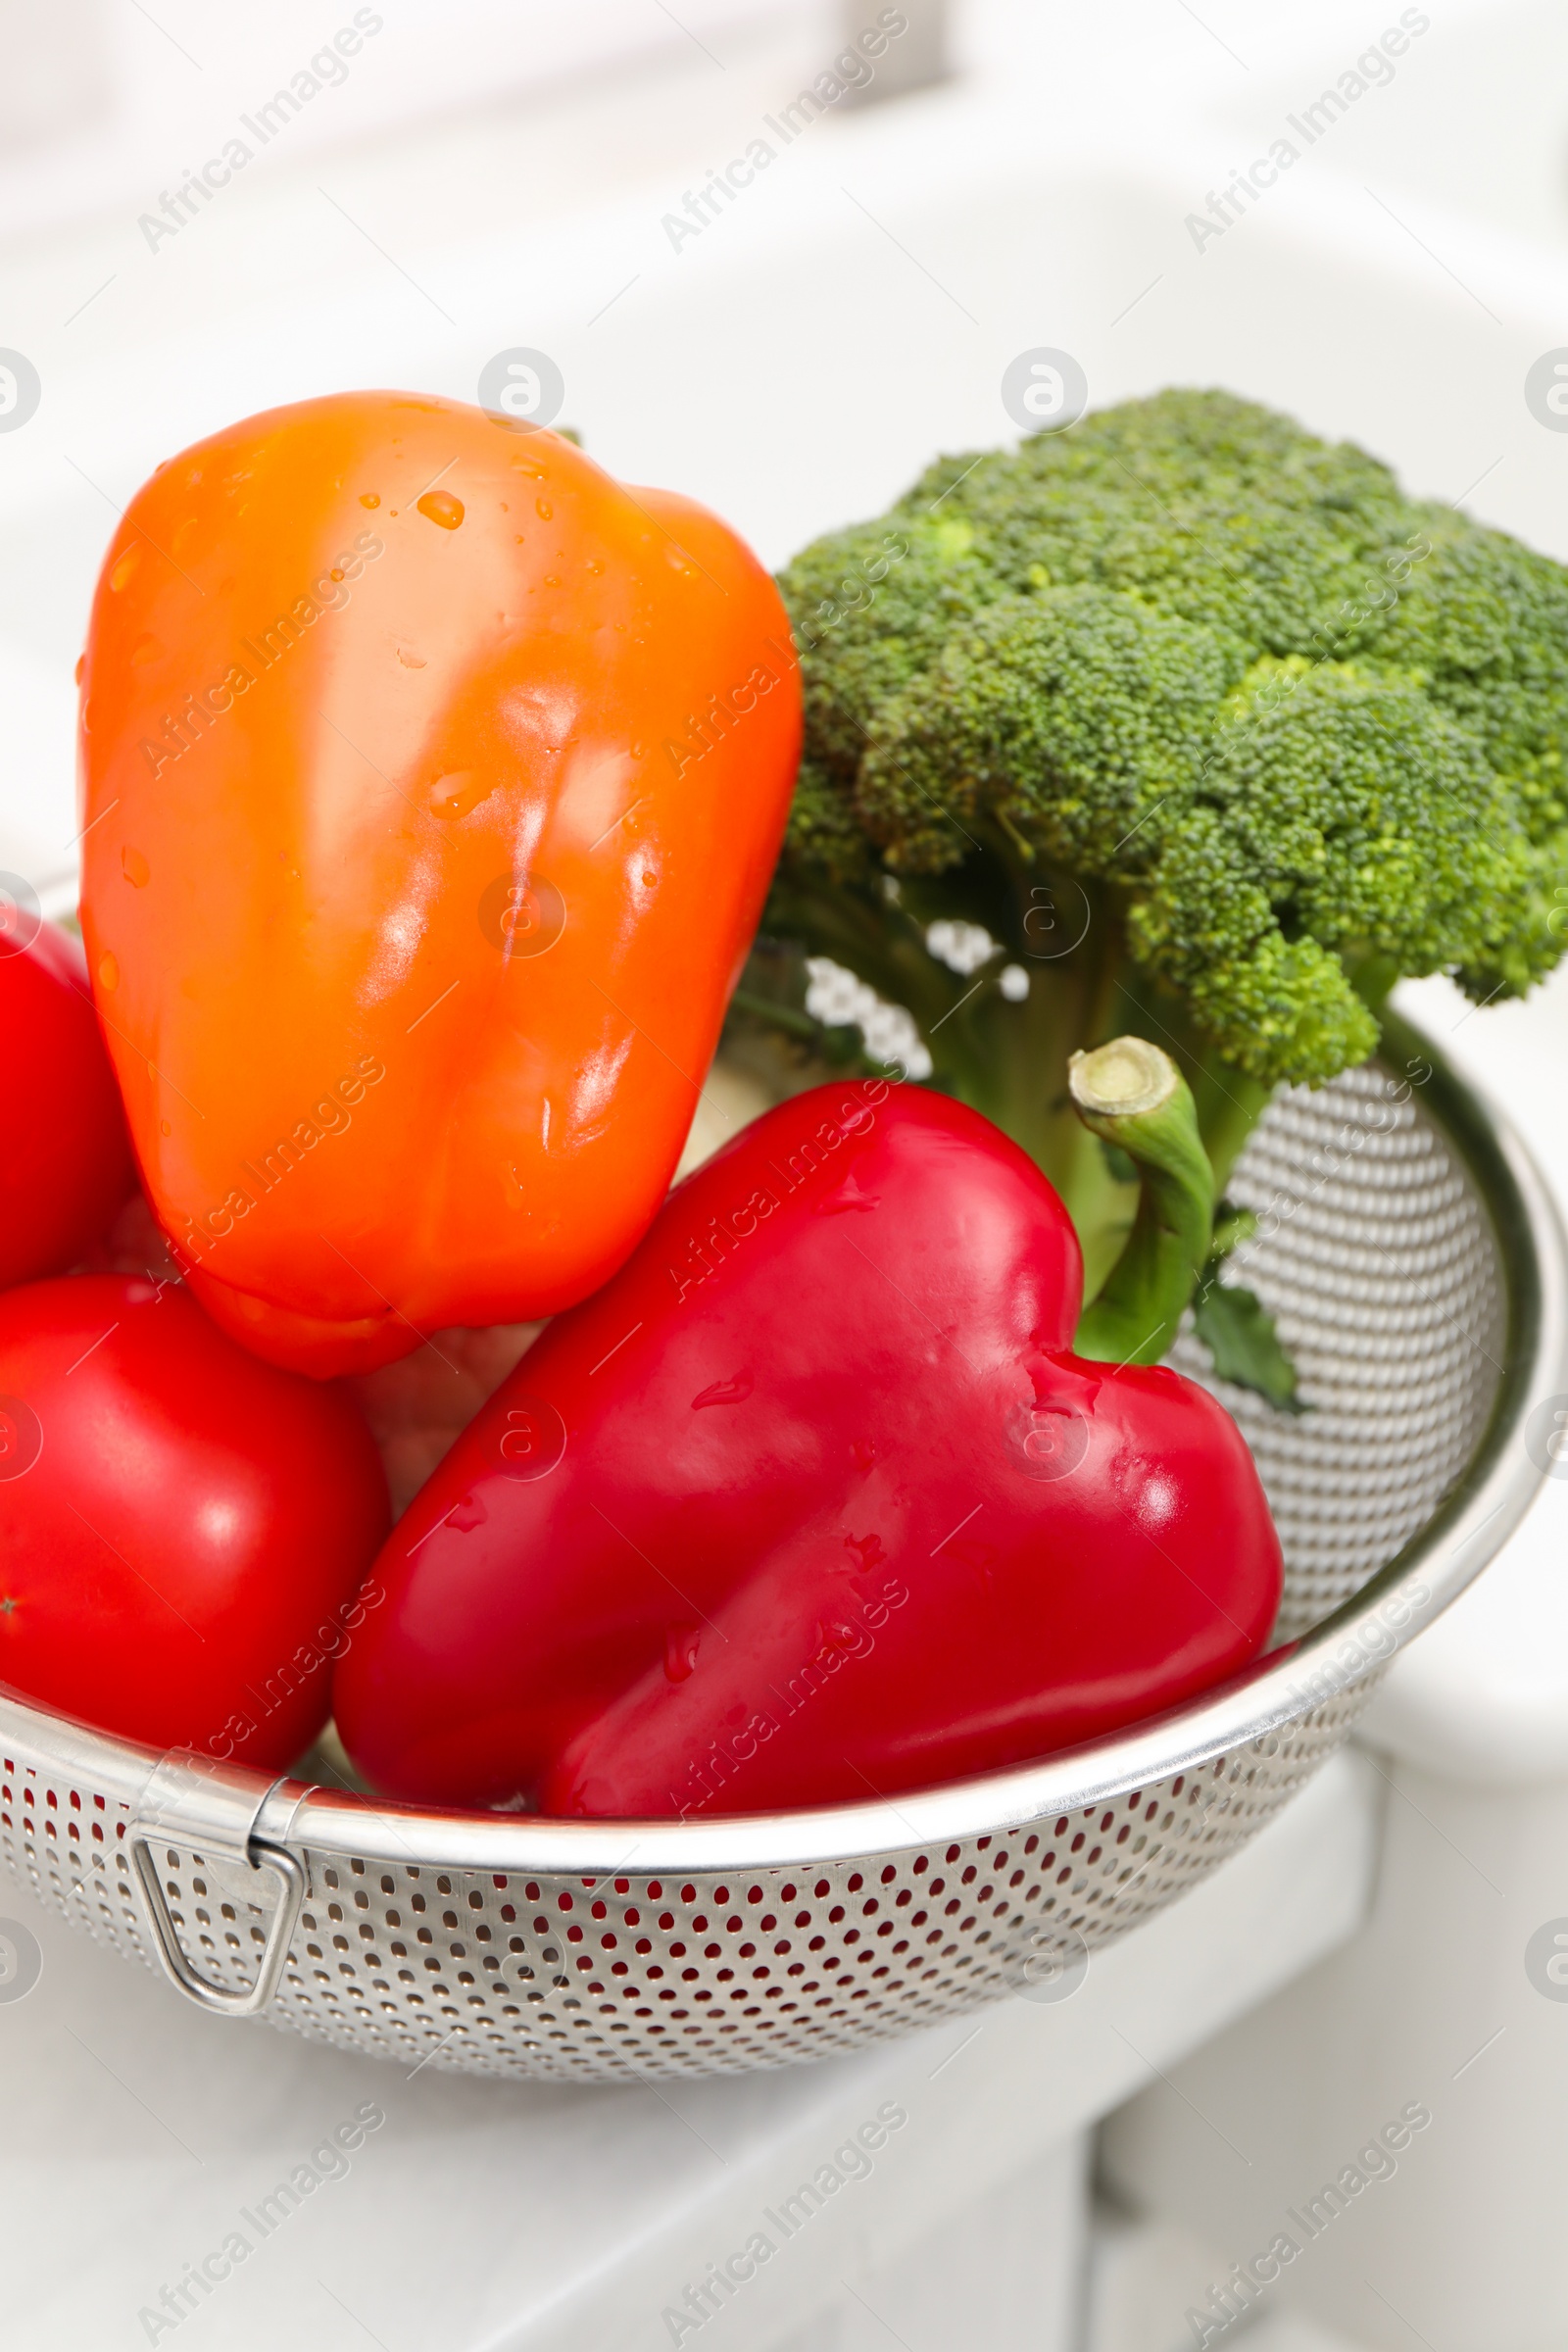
[(680, 1651), (109, 973), (133, 866), (456, 795), (848, 1195), (368, 498), (125, 566), (440, 507)]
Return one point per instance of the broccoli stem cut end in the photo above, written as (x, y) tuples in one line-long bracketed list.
[(1132, 1095)]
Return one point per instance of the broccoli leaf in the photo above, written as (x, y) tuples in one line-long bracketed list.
[(1239, 1333)]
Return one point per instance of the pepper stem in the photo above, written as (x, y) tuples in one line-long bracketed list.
[(1132, 1095)]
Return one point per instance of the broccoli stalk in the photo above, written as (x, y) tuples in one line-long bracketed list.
[(1207, 729), (1132, 1095), (1008, 1054)]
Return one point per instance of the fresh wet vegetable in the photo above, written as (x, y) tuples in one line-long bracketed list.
[(812, 1503), (65, 1165), (432, 784), (1183, 721), (183, 1528)]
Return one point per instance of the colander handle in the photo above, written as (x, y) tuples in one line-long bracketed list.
[(223, 1999)]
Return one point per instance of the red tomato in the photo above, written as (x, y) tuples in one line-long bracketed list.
[(66, 1166), (183, 1527)]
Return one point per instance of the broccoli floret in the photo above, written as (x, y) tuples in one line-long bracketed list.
[(1214, 730)]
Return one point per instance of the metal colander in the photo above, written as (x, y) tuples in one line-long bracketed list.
[(1416, 1272)]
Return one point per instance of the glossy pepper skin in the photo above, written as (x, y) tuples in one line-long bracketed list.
[(811, 1502), (432, 782), (65, 1164)]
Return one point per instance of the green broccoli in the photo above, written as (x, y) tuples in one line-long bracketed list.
[(1182, 723)]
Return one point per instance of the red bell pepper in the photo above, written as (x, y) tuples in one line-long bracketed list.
[(811, 1502)]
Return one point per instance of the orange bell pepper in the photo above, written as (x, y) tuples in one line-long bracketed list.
[(432, 782)]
